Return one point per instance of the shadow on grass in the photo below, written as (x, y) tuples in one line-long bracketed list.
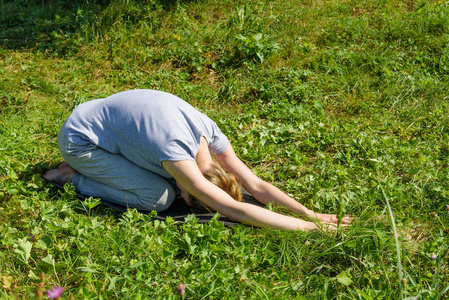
[(61, 25)]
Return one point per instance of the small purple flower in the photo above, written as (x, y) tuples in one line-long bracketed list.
[(181, 288), (56, 292), (32, 237), (433, 256)]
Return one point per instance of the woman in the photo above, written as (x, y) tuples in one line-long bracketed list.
[(136, 148)]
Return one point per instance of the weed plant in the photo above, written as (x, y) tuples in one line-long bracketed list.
[(342, 104)]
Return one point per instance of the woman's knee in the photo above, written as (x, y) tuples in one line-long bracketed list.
[(159, 199)]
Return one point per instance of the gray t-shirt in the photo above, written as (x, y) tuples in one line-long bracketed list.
[(145, 126)]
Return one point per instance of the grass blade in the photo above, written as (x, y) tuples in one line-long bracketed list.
[(398, 251)]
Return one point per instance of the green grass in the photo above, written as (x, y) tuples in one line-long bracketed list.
[(342, 104)]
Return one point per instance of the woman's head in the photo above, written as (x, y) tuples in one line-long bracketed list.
[(225, 181)]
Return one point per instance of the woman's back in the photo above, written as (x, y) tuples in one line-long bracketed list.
[(145, 126)]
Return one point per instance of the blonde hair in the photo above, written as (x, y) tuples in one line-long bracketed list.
[(225, 181)]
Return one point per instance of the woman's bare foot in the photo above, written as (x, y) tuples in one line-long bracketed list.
[(62, 175)]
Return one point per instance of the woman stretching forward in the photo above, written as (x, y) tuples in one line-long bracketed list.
[(140, 148)]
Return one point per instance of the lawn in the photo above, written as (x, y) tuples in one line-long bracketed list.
[(343, 104)]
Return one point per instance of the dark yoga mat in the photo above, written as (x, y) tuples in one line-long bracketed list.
[(179, 209)]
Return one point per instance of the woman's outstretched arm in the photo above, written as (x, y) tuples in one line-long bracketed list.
[(188, 175), (265, 192)]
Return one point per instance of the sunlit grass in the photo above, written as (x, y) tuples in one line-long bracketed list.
[(323, 98)]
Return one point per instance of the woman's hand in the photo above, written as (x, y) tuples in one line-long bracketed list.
[(330, 218)]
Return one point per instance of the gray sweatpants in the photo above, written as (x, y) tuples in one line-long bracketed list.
[(114, 178)]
